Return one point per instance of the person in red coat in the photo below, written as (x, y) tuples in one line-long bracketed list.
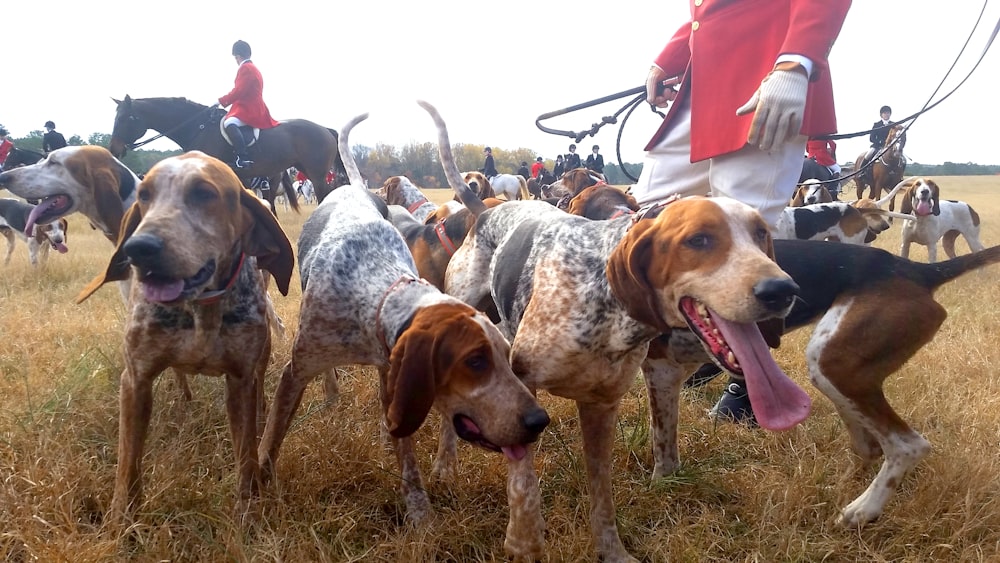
[(753, 82), (5, 145), (824, 151), (247, 104)]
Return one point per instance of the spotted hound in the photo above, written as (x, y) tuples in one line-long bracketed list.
[(608, 288), (14, 215), (934, 220), (363, 303), (196, 241)]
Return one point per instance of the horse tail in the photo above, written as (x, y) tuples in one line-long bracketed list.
[(353, 174), (462, 190), (525, 195)]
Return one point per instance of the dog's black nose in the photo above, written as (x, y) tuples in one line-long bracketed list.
[(142, 249), (776, 293), (536, 420)]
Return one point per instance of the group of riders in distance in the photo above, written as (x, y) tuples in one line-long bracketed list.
[(261, 150)]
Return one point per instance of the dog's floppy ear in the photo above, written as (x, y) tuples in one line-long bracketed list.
[(936, 193), (906, 207), (118, 267), (627, 274), (409, 386), (264, 238)]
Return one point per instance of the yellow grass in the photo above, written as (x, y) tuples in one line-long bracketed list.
[(741, 495)]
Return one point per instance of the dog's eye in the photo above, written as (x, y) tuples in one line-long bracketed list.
[(699, 241), (477, 362), (202, 193), (143, 196), (760, 235)]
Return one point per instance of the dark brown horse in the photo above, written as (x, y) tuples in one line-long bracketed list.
[(887, 171), (20, 157), (303, 144)]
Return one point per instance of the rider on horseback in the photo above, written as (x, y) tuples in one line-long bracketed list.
[(880, 131), (248, 109), (5, 145)]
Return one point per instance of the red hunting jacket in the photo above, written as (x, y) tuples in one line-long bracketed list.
[(823, 151), (729, 46), (246, 98)]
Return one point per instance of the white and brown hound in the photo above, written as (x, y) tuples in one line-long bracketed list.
[(936, 220), (399, 190), (857, 222), (701, 262), (14, 216), (363, 303), (846, 290), (197, 242), (77, 178), (809, 192)]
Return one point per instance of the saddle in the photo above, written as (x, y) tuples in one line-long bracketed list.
[(250, 142)]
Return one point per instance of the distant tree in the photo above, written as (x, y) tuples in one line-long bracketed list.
[(75, 141), (99, 139)]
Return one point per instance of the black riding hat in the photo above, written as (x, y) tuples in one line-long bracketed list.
[(3, 130), (885, 109), (50, 125)]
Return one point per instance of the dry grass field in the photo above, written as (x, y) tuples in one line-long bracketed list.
[(741, 495)]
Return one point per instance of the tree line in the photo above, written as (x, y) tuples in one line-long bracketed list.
[(420, 161)]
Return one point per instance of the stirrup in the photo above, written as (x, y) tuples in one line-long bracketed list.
[(243, 162)]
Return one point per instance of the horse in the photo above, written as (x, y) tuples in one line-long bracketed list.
[(20, 157), (309, 147), (885, 172), (511, 186), (812, 170)]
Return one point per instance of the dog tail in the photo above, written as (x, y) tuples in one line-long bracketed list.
[(462, 190), (939, 273), (353, 174)]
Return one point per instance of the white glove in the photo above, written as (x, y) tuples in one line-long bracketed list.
[(778, 107)]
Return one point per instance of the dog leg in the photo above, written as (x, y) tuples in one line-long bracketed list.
[(445, 467), (287, 397), (242, 400), (597, 425), (9, 235), (135, 400), (852, 378), (525, 537), (671, 358), (418, 506)]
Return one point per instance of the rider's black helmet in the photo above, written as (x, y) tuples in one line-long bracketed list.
[(3, 131), (241, 48), (885, 109), (50, 125)]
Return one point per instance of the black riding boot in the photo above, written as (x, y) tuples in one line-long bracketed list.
[(239, 146)]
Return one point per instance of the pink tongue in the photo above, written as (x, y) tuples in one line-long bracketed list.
[(515, 453), (778, 403), (35, 212), (923, 208), (62, 248), (162, 292)]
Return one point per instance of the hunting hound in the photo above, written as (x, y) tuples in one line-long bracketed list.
[(197, 242), (363, 303)]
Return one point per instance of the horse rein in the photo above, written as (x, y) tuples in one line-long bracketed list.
[(641, 91), (136, 144)]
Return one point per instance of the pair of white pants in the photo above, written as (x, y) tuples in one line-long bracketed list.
[(764, 180), (233, 120)]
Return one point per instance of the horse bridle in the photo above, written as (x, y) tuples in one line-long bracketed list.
[(133, 117)]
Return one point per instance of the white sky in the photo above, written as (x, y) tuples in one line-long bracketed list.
[(490, 68)]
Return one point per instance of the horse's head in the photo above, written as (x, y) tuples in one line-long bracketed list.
[(128, 127), (896, 139)]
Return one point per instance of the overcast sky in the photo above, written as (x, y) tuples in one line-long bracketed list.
[(490, 68)]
